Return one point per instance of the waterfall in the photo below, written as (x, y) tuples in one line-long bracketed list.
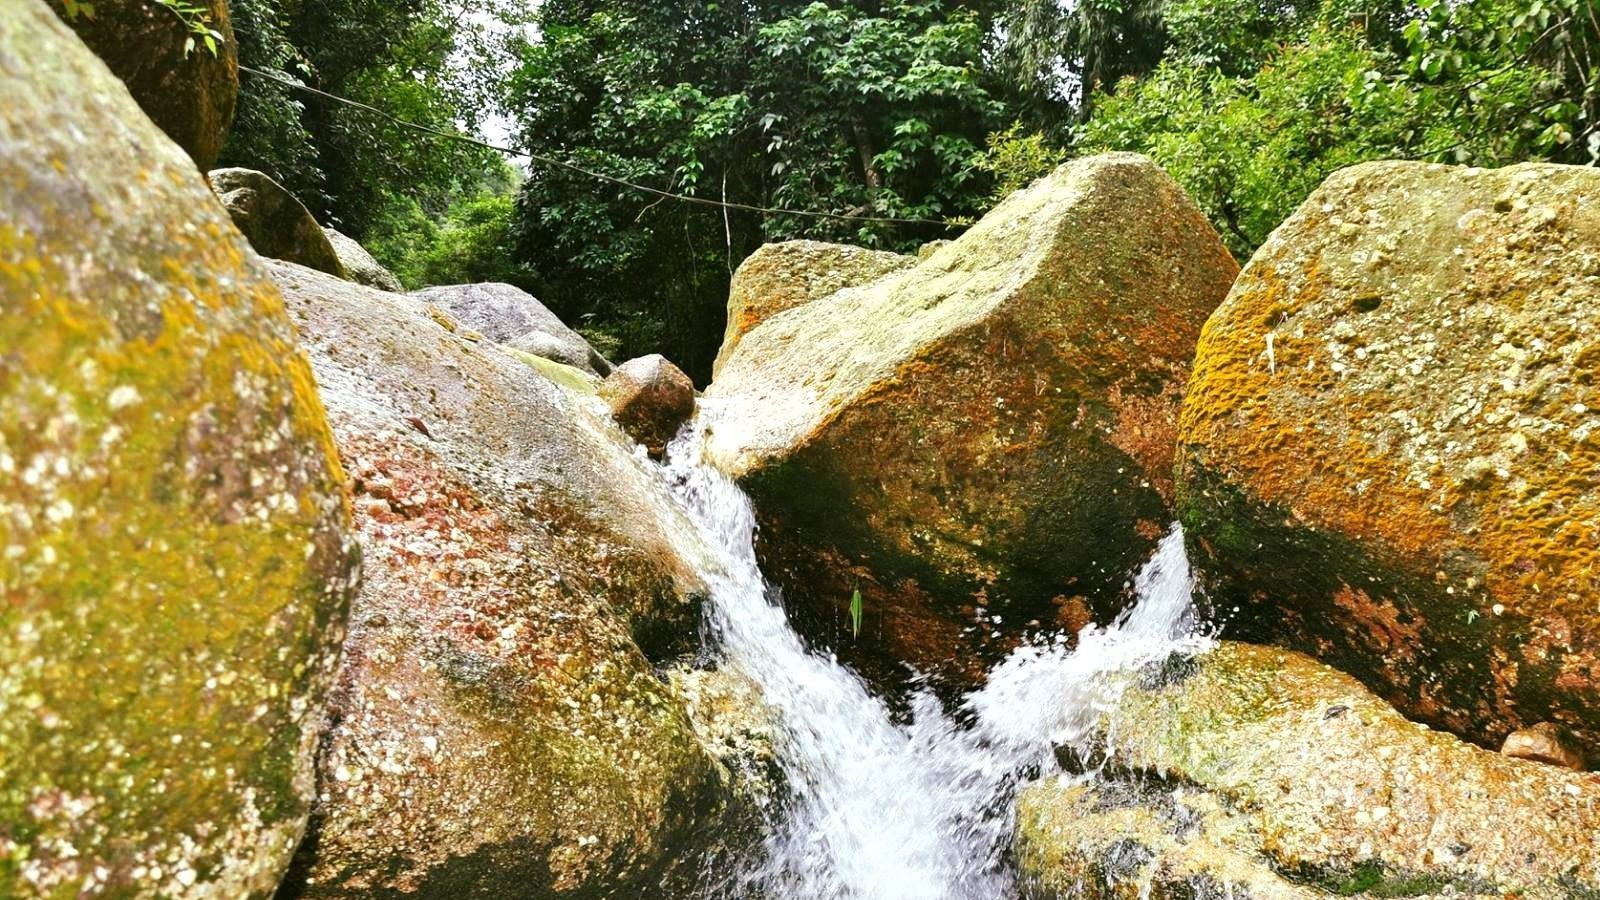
[(918, 811)]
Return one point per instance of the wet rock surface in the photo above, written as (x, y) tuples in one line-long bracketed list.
[(175, 553), (1263, 768), (359, 265), (506, 314), (784, 275), (190, 95), (983, 440), (277, 225), (651, 399), (1388, 447), (498, 729)]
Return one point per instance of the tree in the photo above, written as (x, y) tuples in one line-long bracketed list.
[(861, 110), (1250, 132), (1076, 49)]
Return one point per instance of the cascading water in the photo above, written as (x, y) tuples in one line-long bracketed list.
[(880, 811)]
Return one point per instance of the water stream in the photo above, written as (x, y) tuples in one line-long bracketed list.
[(881, 810)]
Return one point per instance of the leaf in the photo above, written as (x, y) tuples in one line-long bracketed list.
[(855, 613)]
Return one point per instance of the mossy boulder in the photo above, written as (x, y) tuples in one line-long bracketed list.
[(359, 265), (1263, 769), (792, 273), (499, 728), (509, 315), (189, 92), (984, 439), (278, 225), (175, 553), (1389, 444)]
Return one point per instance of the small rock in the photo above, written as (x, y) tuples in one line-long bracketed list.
[(1545, 742), (651, 399)]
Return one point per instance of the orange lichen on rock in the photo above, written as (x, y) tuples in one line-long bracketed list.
[(1400, 370)]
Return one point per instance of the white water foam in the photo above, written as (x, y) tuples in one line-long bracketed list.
[(880, 811)]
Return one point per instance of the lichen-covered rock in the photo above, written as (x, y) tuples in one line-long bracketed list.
[(1131, 839), (359, 265), (509, 315), (739, 728), (784, 275), (985, 438), (1266, 769), (498, 729), (1389, 444), (651, 399), (175, 559), (277, 224), (189, 93)]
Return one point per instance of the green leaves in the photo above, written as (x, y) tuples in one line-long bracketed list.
[(76, 8), (197, 19), (855, 613)]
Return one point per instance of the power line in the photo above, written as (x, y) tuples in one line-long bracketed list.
[(573, 167)]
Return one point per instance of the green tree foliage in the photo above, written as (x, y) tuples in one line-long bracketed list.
[(1076, 49), (861, 110), (865, 110), (1258, 101), (420, 60)]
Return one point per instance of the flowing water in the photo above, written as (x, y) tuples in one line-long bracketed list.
[(920, 811)]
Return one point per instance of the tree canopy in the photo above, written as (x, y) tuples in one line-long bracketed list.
[(863, 110)]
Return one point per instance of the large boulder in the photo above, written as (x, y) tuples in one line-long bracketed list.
[(174, 547), (188, 91), (359, 265), (1389, 444), (1264, 772), (498, 729), (277, 224), (784, 275), (509, 315), (985, 439)]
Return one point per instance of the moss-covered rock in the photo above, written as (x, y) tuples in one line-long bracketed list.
[(977, 440), (792, 273), (190, 93), (175, 559), (1389, 445), (498, 729), (359, 265), (277, 224), (1264, 769)]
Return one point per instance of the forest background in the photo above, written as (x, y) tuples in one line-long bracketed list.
[(866, 109)]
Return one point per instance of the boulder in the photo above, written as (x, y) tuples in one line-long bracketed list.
[(1388, 446), (985, 439), (784, 275), (277, 224), (498, 729), (189, 93), (359, 265), (1545, 742), (509, 315), (1264, 770), (175, 553), (651, 399)]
